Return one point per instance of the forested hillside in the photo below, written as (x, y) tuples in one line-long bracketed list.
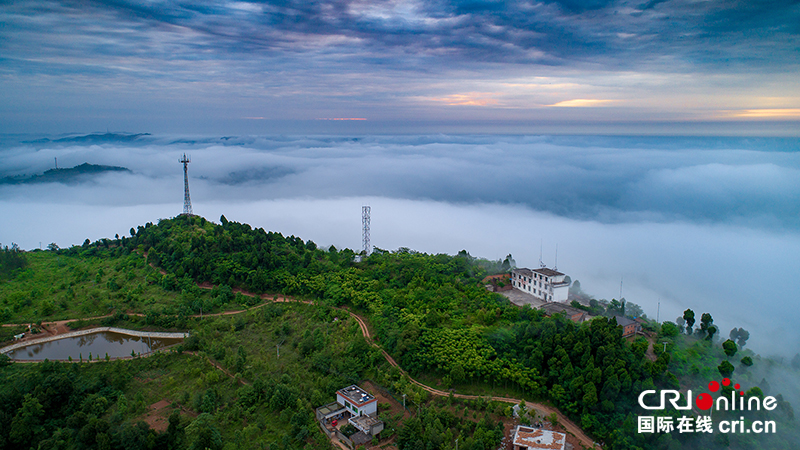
[(430, 312)]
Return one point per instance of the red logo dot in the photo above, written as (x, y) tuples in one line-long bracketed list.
[(736, 386), (713, 386), (704, 401), (741, 392), (726, 382)]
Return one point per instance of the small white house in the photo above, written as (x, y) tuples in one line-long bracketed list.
[(543, 283), (358, 401)]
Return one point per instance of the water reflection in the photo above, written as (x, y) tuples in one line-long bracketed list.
[(98, 344)]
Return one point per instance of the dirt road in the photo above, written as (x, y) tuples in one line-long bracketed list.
[(563, 420), (571, 427)]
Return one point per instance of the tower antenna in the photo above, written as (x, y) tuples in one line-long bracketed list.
[(541, 245), (187, 201), (556, 266), (365, 210), (620, 288), (658, 313)]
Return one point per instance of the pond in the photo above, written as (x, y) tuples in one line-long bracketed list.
[(115, 345)]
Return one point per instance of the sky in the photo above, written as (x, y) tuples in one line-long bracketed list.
[(675, 67), (654, 142)]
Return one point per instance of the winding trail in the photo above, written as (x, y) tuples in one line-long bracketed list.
[(563, 420), (570, 426)]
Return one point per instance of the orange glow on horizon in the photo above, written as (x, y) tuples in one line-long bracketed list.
[(768, 113), (467, 99), (580, 103)]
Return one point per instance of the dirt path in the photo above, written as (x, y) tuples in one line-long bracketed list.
[(563, 420)]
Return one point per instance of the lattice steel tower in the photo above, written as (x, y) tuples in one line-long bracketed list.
[(187, 201), (365, 224)]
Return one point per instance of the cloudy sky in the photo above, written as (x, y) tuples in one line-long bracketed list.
[(596, 66)]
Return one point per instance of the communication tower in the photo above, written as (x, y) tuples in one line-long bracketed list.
[(365, 210), (187, 201)]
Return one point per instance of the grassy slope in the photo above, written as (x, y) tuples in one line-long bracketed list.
[(62, 286)]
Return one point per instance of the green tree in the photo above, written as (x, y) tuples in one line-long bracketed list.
[(729, 347), (457, 373), (174, 431), (688, 317), (711, 331), (669, 329), (26, 427), (725, 369), (747, 361), (705, 323), (201, 434)]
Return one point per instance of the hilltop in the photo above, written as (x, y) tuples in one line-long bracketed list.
[(68, 175), (430, 314)]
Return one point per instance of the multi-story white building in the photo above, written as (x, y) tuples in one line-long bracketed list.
[(543, 283)]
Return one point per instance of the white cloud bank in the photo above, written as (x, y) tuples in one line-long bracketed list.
[(713, 229)]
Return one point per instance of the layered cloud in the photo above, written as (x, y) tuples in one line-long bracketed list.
[(614, 33), (70, 65), (750, 182), (704, 223)]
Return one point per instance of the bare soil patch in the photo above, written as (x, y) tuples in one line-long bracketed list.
[(157, 416)]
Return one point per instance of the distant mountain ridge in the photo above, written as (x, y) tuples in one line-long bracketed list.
[(68, 175), (94, 138)]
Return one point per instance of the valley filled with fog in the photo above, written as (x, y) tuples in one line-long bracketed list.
[(711, 224)]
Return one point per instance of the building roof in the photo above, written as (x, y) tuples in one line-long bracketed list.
[(539, 439), (364, 423), (624, 321), (548, 272), (360, 438), (496, 277), (523, 271), (356, 395), (330, 408)]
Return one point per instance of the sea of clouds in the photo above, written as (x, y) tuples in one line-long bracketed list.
[(711, 224)]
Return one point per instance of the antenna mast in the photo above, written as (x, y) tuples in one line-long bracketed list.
[(556, 266), (541, 245), (365, 210), (187, 201)]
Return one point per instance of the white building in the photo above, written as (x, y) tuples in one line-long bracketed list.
[(358, 401), (543, 283)]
